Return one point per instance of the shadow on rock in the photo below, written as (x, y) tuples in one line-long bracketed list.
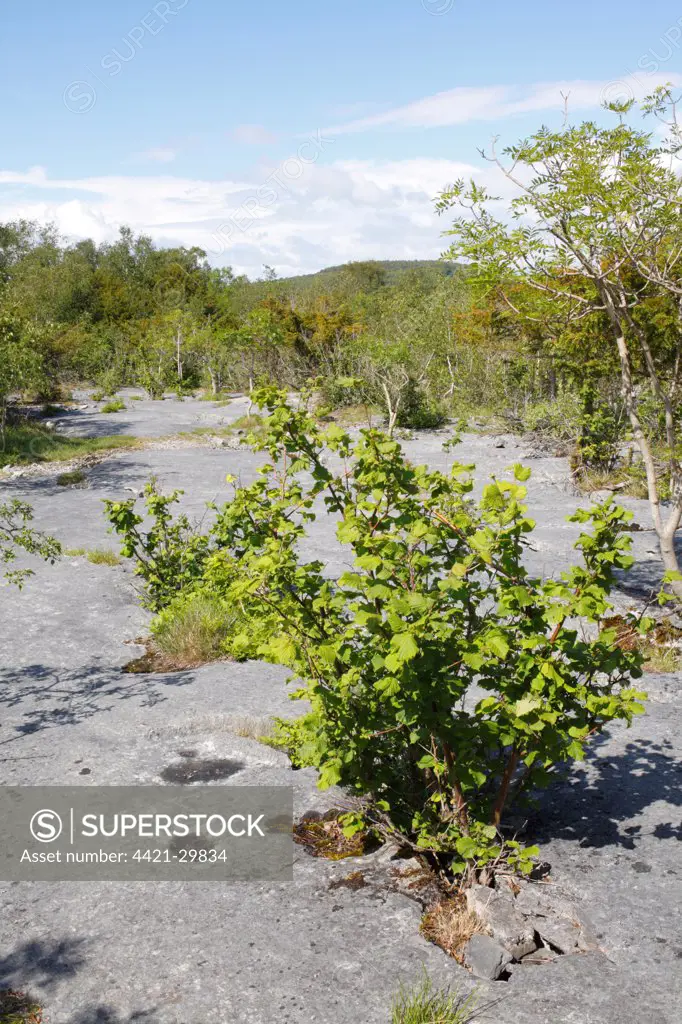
[(596, 804), (58, 696), (107, 1015), (42, 963)]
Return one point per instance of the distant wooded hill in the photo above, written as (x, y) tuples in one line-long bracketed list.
[(371, 275)]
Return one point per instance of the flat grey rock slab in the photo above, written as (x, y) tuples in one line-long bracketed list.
[(179, 953), (144, 417)]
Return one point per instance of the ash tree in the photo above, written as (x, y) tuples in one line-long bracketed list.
[(593, 236)]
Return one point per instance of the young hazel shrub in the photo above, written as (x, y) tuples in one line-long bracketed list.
[(442, 678)]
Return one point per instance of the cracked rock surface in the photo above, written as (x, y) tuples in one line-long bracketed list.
[(304, 952)]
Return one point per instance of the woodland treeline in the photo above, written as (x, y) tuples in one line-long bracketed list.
[(420, 340)]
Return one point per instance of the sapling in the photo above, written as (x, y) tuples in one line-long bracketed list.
[(442, 677)]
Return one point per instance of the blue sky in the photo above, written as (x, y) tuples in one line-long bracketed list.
[(297, 134)]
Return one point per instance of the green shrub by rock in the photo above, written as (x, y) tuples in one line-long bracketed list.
[(442, 678)]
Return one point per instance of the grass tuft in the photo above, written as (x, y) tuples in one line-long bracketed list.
[(192, 630), (220, 397), (425, 1004), (450, 925), (72, 479), (248, 422), (116, 405), (73, 552), (102, 556)]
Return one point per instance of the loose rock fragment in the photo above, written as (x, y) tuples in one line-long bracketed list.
[(505, 923), (486, 958)]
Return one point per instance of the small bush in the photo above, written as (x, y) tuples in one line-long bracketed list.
[(392, 657), (438, 603), (416, 412), (353, 415), (217, 396), (561, 418), (99, 396), (339, 392), (114, 406), (102, 556), (170, 557), (72, 479), (427, 1005), (108, 382)]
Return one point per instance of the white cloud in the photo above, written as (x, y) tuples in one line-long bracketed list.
[(253, 135), (329, 214), (489, 103)]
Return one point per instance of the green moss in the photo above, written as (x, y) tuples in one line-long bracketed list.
[(72, 479)]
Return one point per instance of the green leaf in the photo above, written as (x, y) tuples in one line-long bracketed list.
[(427, 761), (498, 645), (526, 706), (405, 646), (389, 686)]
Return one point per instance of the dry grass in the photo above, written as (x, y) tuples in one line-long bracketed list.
[(356, 415), (103, 556), (664, 660), (193, 631), (251, 727), (450, 925), (623, 481), (662, 647), (247, 726)]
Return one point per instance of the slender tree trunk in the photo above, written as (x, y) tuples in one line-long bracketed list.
[(391, 409), (664, 530), (178, 351)]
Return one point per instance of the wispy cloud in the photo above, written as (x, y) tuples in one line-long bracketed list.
[(490, 103), (253, 135)]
